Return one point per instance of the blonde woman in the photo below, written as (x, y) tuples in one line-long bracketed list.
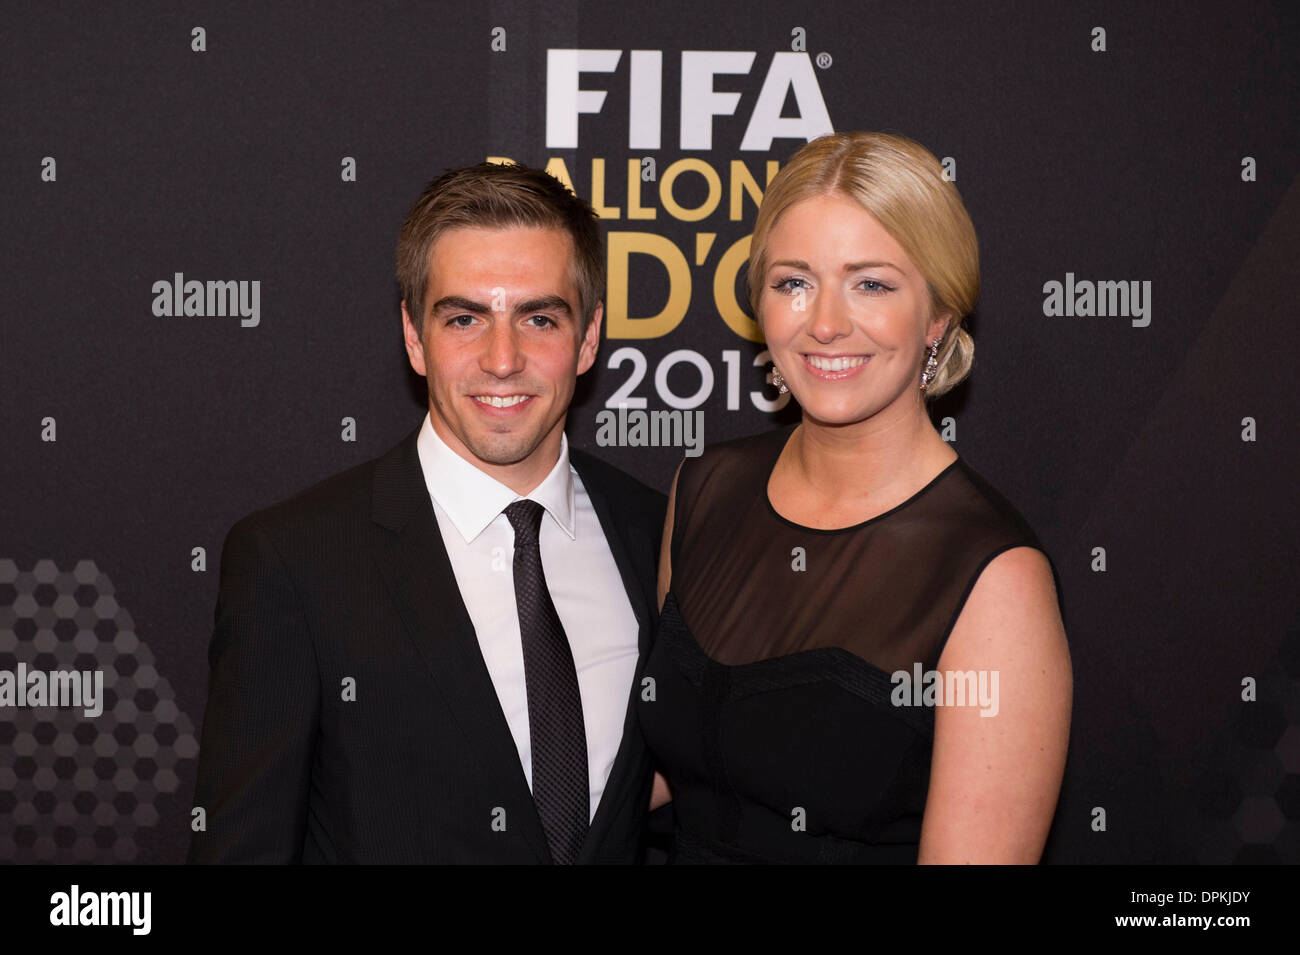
[(861, 656)]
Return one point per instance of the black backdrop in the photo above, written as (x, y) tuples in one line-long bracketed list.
[(1107, 141)]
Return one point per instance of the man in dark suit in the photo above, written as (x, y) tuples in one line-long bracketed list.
[(432, 657)]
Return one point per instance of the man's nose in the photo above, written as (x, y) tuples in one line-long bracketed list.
[(502, 356)]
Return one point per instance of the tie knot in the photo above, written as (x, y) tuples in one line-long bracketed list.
[(526, 518)]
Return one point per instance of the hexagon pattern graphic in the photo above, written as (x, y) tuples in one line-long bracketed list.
[(75, 788), (1250, 802)]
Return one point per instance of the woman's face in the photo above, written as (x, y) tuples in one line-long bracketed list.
[(846, 315)]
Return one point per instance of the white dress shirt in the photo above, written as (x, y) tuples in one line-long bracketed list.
[(581, 576)]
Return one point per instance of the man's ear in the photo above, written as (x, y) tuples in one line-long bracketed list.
[(414, 347), (591, 340)]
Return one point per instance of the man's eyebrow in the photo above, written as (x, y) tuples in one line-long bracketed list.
[(545, 303), (851, 267), (460, 304)]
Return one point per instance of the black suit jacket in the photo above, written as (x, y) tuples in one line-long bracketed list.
[(346, 590)]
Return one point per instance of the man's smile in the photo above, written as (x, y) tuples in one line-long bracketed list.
[(503, 402)]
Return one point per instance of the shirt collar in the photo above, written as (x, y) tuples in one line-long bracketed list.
[(473, 499)]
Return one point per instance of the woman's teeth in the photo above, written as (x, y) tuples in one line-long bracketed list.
[(835, 364)]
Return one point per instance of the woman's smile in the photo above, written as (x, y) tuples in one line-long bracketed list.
[(834, 367)]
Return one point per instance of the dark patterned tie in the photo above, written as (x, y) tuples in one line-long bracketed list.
[(555, 727)]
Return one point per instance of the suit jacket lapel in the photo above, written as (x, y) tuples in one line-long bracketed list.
[(624, 539), (415, 564)]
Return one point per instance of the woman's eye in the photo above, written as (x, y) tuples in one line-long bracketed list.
[(787, 286), (875, 287)]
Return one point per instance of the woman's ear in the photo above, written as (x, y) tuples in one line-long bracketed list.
[(939, 326)]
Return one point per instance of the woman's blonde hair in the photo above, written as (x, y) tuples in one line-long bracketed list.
[(901, 184)]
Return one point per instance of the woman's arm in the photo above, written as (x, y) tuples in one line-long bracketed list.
[(994, 780), (660, 793), (666, 542)]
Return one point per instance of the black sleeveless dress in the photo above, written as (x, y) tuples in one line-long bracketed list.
[(770, 711)]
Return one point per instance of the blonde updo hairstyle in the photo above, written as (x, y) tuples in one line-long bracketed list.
[(901, 184)]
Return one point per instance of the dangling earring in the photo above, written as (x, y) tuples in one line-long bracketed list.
[(774, 378), (931, 364)]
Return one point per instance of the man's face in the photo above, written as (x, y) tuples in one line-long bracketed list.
[(502, 347)]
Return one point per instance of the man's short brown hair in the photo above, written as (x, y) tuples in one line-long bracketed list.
[(498, 196)]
